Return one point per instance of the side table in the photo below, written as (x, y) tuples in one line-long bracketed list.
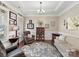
[(54, 35), (13, 40)]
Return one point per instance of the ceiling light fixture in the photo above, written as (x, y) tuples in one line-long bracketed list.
[(41, 10)]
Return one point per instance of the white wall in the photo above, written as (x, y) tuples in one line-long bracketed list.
[(45, 20), (72, 12)]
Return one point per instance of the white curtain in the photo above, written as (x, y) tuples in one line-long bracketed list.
[(3, 20)]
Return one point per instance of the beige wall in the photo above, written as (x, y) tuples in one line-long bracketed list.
[(45, 20), (72, 12)]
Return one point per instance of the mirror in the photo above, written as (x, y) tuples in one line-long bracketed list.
[(73, 23)]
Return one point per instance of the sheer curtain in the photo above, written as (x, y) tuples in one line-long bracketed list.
[(2, 24)]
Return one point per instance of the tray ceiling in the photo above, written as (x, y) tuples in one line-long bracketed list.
[(50, 7)]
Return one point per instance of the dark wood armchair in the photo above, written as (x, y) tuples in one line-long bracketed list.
[(28, 39), (12, 51)]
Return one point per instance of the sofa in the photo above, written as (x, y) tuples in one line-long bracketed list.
[(67, 45)]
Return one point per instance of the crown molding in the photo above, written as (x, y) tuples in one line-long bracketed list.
[(43, 15), (59, 5), (10, 7), (68, 8)]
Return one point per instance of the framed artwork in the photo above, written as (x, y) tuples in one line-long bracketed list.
[(12, 15), (52, 23), (64, 22), (46, 25), (13, 18), (72, 23), (66, 25), (30, 25)]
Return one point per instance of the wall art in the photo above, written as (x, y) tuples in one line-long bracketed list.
[(30, 25), (12, 15)]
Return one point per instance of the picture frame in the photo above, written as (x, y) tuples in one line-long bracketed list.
[(2, 30), (64, 22), (12, 15), (30, 25)]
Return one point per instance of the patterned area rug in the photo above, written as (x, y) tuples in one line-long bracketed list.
[(40, 49)]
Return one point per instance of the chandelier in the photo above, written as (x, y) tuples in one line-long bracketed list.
[(41, 10)]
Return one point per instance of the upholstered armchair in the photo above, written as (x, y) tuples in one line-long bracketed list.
[(12, 51), (28, 38)]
